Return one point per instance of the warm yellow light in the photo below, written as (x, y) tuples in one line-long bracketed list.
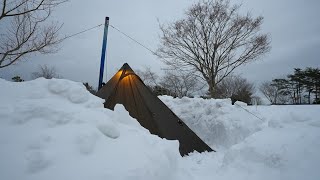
[(118, 74), (126, 78)]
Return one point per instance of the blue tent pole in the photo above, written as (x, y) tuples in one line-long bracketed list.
[(103, 52)]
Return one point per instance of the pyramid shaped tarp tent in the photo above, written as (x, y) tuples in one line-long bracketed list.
[(126, 88)]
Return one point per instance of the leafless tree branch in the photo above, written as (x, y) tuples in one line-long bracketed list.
[(213, 39), (180, 83), (26, 29), (46, 72)]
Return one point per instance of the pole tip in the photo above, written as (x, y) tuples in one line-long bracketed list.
[(107, 18)]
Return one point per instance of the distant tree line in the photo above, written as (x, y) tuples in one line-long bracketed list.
[(300, 87), (180, 83), (47, 72), (202, 49), (237, 88), (173, 83)]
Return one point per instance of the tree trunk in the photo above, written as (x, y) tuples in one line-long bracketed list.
[(300, 98), (212, 91), (212, 88), (309, 101)]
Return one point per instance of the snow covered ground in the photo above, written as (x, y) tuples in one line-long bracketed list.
[(54, 129), (282, 142)]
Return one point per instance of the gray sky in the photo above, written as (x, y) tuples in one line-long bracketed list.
[(293, 25)]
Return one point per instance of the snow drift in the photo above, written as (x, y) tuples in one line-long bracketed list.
[(254, 142), (54, 129), (219, 123)]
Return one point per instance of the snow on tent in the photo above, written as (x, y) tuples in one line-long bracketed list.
[(126, 88)]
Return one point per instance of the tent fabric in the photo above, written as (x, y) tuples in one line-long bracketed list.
[(126, 88)]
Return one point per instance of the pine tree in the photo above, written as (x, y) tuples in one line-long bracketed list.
[(316, 79), (296, 80), (309, 81), (282, 86)]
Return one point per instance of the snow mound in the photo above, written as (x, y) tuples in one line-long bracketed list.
[(253, 142), (216, 121), (57, 129)]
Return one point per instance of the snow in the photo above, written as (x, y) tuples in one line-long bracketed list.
[(274, 142), (217, 122), (55, 129)]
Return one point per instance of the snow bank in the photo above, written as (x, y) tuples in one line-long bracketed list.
[(219, 123), (55, 129), (283, 145)]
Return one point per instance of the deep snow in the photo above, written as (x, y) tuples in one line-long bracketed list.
[(55, 129), (283, 145)]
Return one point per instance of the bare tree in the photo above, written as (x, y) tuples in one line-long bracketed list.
[(213, 39), (148, 77), (236, 88), (179, 83), (275, 93), (269, 91), (256, 100), (26, 30), (46, 72), (173, 83)]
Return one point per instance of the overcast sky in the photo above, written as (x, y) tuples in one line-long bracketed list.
[(294, 27)]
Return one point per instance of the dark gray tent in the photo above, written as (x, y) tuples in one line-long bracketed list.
[(126, 88)]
